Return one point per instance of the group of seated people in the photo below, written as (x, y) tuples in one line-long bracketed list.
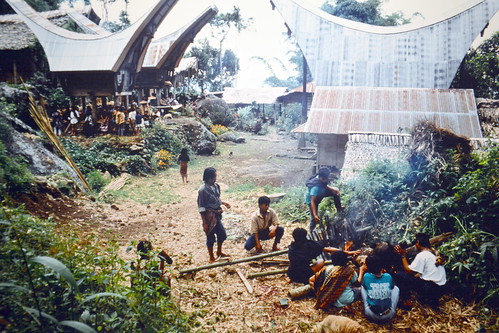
[(379, 281)]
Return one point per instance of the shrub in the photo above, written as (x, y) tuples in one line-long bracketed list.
[(290, 117), (244, 119), (158, 138), (14, 174), (164, 159), (51, 283), (217, 110), (218, 129), (96, 180)]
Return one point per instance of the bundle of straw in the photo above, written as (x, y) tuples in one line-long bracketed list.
[(39, 114)]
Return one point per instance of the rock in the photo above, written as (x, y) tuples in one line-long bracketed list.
[(202, 141), (26, 143), (227, 136), (240, 140)]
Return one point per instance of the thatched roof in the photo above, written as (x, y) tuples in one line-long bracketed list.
[(15, 34)]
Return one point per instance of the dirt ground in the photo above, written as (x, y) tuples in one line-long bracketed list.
[(218, 296)]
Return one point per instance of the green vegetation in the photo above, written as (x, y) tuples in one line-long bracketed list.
[(290, 117), (363, 11), (14, 174), (113, 154), (444, 188), (158, 192), (52, 282), (479, 69)]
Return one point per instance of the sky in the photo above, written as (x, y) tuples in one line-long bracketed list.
[(266, 37)]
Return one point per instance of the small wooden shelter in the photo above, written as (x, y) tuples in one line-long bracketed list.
[(337, 111)]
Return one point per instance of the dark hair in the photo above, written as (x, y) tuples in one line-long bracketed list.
[(264, 200), (339, 258), (374, 264), (299, 235), (143, 248), (209, 173), (424, 239), (183, 151), (324, 173)]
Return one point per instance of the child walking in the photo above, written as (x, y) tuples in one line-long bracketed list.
[(183, 160)]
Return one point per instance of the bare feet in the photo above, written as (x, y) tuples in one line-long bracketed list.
[(223, 255), (275, 248)]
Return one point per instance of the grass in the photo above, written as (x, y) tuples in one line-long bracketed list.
[(143, 191)]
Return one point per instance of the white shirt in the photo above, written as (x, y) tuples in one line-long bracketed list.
[(132, 115), (424, 264)]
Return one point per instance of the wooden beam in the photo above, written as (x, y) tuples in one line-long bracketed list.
[(233, 262), (245, 281)]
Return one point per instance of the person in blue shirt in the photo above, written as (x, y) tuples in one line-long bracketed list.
[(318, 189), (379, 293)]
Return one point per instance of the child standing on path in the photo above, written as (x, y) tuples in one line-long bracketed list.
[(209, 204), (183, 160)]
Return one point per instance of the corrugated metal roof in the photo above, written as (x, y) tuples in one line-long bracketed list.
[(340, 110), (250, 95)]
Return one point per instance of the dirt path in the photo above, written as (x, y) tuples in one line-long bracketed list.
[(167, 215)]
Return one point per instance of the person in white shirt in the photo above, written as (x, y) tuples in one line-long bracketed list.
[(424, 275)]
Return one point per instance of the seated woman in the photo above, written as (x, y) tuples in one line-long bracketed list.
[(333, 284)]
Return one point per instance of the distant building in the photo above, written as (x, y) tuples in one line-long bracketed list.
[(19, 50), (264, 101), (338, 111)]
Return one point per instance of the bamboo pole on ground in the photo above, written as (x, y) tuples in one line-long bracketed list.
[(233, 262), (267, 273)]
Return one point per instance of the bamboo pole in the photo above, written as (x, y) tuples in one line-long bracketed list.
[(39, 115), (267, 273), (233, 262)]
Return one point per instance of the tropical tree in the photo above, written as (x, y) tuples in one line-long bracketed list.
[(222, 24), (366, 12), (207, 57), (479, 69)]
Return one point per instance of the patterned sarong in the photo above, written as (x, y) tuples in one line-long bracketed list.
[(330, 284), (211, 219)]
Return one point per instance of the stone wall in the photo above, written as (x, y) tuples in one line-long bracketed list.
[(363, 147)]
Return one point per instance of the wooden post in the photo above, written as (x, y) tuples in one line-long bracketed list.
[(301, 292), (246, 282), (233, 262)]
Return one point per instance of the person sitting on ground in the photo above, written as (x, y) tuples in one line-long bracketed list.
[(425, 274), (379, 294), (264, 226), (318, 189), (333, 285), (144, 250), (302, 254)]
